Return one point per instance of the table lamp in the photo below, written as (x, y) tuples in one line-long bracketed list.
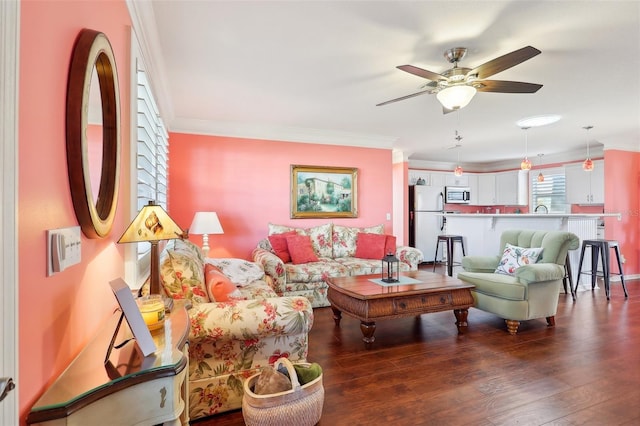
[(205, 223), (152, 224)]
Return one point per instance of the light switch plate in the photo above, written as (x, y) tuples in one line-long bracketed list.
[(63, 249)]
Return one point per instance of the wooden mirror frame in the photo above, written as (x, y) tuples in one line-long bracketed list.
[(92, 49)]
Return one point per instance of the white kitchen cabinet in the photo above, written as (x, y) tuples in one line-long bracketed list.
[(585, 187), (430, 178), (452, 180), (501, 188), (486, 189), (473, 189), (508, 187)]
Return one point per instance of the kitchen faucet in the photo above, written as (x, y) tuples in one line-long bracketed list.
[(546, 210)]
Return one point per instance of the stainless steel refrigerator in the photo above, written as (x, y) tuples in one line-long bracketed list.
[(425, 202)]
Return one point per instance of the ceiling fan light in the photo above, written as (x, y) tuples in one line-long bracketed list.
[(587, 165), (457, 171), (525, 164), (540, 177), (456, 97)]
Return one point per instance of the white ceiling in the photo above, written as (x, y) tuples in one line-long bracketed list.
[(313, 71)]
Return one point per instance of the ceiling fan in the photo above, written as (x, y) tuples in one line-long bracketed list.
[(455, 87)]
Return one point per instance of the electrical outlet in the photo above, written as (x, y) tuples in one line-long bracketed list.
[(63, 249), (388, 216)]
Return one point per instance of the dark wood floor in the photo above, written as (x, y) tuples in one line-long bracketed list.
[(583, 371)]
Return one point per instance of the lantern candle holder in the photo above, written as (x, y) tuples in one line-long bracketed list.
[(390, 268)]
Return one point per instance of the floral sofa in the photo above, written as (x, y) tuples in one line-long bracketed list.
[(231, 340), (335, 247)]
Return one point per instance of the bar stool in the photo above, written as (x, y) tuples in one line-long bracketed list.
[(602, 246), (568, 278), (449, 240)]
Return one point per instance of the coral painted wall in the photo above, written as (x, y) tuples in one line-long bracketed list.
[(59, 314), (622, 180), (247, 182)]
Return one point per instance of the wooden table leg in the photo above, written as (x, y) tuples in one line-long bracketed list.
[(368, 328), (461, 319), (337, 315)]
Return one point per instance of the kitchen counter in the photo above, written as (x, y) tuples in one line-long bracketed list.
[(537, 215), (481, 231)]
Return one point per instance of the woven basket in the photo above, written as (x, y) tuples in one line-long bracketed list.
[(300, 406)]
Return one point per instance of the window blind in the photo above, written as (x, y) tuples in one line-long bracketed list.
[(551, 192), (152, 151)]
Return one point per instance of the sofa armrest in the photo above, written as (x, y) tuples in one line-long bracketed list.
[(480, 263), (539, 272), (251, 319), (273, 267), (410, 255)]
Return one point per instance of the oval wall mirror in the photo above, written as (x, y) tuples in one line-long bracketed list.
[(93, 145)]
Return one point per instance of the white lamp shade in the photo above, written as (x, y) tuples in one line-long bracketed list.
[(206, 223), (456, 97)]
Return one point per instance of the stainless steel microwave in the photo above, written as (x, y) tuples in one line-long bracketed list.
[(457, 195)]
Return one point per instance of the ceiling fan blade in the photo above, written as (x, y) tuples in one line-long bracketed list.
[(429, 75), (504, 62), (507, 86), (404, 97)]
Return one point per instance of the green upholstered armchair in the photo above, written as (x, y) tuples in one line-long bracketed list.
[(532, 291)]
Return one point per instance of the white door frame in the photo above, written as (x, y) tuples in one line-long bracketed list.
[(9, 69)]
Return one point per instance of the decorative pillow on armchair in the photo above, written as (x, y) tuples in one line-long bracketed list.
[(219, 286), (514, 257), (241, 272), (182, 277)]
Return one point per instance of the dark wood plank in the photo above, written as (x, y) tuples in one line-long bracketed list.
[(421, 371)]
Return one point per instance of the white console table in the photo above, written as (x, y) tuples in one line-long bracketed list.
[(128, 389)]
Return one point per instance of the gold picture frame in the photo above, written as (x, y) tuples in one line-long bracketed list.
[(323, 192)]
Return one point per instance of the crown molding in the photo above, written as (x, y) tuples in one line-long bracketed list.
[(146, 32), (280, 133)]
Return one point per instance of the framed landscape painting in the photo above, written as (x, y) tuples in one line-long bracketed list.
[(323, 192)]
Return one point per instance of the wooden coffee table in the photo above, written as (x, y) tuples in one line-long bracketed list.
[(368, 301)]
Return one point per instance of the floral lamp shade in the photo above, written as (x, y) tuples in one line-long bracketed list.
[(152, 224)]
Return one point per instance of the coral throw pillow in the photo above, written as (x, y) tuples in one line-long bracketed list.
[(370, 246), (300, 249), (514, 257), (390, 245), (219, 286), (279, 245)]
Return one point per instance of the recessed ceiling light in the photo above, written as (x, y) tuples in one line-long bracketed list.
[(538, 120)]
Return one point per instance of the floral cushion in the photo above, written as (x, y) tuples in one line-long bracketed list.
[(344, 238), (320, 236), (186, 247), (182, 276), (241, 272), (513, 257)]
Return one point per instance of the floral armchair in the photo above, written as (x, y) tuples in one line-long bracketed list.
[(231, 340)]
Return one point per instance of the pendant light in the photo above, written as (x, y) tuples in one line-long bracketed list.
[(525, 164), (587, 165), (540, 175), (458, 170)]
